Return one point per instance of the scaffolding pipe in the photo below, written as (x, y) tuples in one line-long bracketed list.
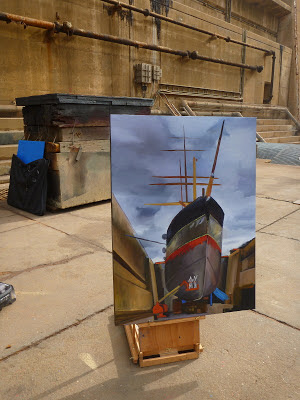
[(68, 29), (146, 13)]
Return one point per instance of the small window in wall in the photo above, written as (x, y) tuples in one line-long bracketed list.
[(267, 92)]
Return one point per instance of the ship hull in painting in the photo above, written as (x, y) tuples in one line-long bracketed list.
[(194, 241)]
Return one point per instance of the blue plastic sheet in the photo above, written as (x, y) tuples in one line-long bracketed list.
[(29, 151)]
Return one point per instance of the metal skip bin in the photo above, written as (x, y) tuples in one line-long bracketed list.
[(76, 130)]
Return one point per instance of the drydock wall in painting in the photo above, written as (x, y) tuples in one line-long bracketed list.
[(133, 295), (39, 62), (183, 196)]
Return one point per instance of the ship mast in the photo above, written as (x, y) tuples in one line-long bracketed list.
[(194, 177), (185, 169), (212, 177)]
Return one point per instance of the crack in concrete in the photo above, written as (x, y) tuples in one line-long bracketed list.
[(51, 264), (36, 343), (59, 230), (274, 319), (272, 198), (279, 219), (284, 237), (91, 218), (17, 227)]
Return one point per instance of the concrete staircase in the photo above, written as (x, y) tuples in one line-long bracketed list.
[(275, 124), (11, 131), (277, 130)]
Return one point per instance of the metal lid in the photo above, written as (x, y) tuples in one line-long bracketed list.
[(61, 98)]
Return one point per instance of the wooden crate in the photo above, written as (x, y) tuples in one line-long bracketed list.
[(80, 126), (154, 343)]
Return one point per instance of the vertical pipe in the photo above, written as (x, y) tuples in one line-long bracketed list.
[(228, 11), (242, 84)]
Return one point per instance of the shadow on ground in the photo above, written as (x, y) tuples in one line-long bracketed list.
[(131, 385)]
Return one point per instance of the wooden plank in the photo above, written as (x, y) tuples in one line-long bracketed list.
[(172, 321), (91, 146), (172, 342), (180, 336), (129, 317), (168, 359), (66, 115), (69, 115), (131, 110), (57, 134), (52, 147), (131, 342)]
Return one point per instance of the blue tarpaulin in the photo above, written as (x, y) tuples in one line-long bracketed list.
[(220, 295), (29, 151)]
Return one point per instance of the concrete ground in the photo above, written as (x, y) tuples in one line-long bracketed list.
[(58, 340)]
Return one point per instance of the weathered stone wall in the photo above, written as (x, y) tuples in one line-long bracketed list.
[(38, 62)]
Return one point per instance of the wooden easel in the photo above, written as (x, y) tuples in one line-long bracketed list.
[(154, 343)]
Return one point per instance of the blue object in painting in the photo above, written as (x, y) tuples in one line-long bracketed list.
[(29, 151), (210, 300), (220, 295)]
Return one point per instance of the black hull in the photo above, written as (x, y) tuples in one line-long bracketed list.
[(194, 249)]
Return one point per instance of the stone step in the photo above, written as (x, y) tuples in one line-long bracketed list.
[(268, 128), (10, 137), (275, 121), (275, 134), (4, 179), (286, 139), (5, 167), (11, 124), (7, 151)]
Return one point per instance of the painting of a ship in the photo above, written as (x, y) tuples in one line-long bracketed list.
[(194, 245), (182, 241)]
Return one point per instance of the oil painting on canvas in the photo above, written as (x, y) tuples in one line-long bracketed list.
[(183, 216)]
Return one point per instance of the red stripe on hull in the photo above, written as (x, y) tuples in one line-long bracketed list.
[(192, 244)]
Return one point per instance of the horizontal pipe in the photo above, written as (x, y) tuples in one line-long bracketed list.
[(10, 108), (68, 29), (146, 13), (7, 17), (237, 106)]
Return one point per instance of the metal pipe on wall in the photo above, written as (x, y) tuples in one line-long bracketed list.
[(68, 29), (146, 13)]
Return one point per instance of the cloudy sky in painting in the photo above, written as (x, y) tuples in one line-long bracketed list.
[(136, 156)]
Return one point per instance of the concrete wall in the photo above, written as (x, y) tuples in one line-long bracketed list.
[(37, 62), (289, 35)]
